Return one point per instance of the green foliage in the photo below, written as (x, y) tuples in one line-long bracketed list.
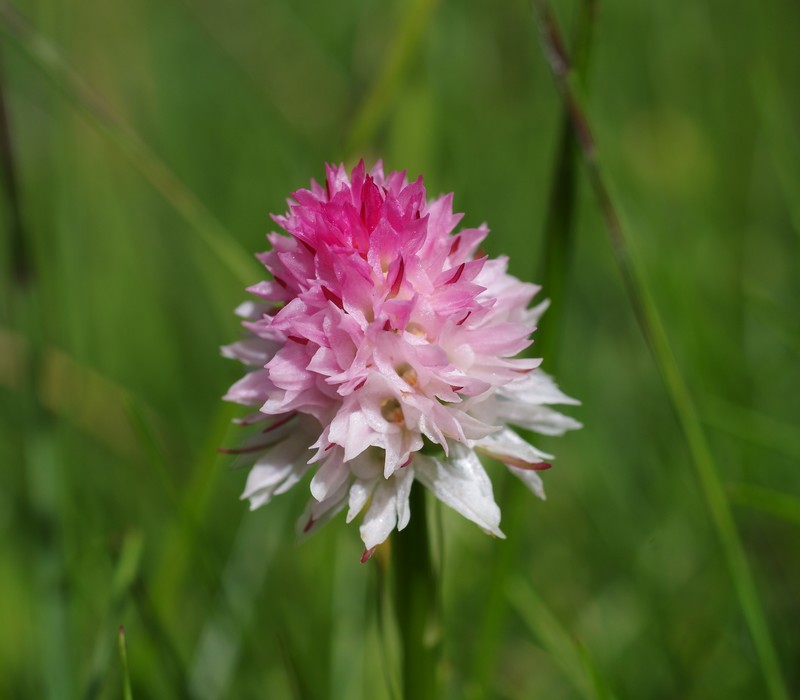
[(150, 141)]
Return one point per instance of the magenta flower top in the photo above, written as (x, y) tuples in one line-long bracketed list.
[(384, 349)]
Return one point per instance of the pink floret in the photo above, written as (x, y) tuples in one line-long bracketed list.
[(380, 329)]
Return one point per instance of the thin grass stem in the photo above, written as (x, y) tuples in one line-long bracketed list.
[(559, 242), (652, 327), (127, 693), (21, 262), (125, 573), (373, 108), (559, 229)]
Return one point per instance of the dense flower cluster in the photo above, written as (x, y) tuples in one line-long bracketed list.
[(384, 351)]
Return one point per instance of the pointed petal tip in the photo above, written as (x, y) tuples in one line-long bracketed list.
[(367, 554), (535, 466)]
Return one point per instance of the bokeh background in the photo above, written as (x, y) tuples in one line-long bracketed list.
[(147, 143)]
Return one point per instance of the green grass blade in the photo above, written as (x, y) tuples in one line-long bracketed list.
[(231, 618), (781, 505), (46, 485), (182, 540), (753, 426), (650, 322), (127, 694), (572, 656), (125, 574), (378, 100), (781, 132), (600, 688), (50, 60)]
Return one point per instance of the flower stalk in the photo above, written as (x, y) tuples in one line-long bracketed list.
[(417, 604)]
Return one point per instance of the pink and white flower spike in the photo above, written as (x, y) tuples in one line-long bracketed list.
[(384, 350)]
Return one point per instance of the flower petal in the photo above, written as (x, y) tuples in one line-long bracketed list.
[(317, 513), (542, 419), (381, 517), (536, 388), (404, 479), (505, 445), (279, 464), (461, 482), (360, 491), (531, 479), (331, 474)]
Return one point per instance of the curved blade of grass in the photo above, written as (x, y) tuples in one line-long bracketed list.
[(126, 571), (572, 656), (45, 478), (49, 59), (777, 503), (781, 133), (296, 674), (754, 427), (651, 325), (373, 108), (600, 688), (183, 538)]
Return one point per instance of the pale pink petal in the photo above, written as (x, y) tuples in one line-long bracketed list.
[(536, 388), (542, 420), (461, 482), (506, 445), (275, 466), (252, 389), (360, 491), (317, 513), (330, 475), (381, 516), (531, 479), (404, 479), (255, 352)]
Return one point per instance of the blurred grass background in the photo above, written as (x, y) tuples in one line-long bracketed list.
[(151, 140)]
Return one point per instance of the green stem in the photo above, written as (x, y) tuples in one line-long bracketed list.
[(559, 229), (416, 602)]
